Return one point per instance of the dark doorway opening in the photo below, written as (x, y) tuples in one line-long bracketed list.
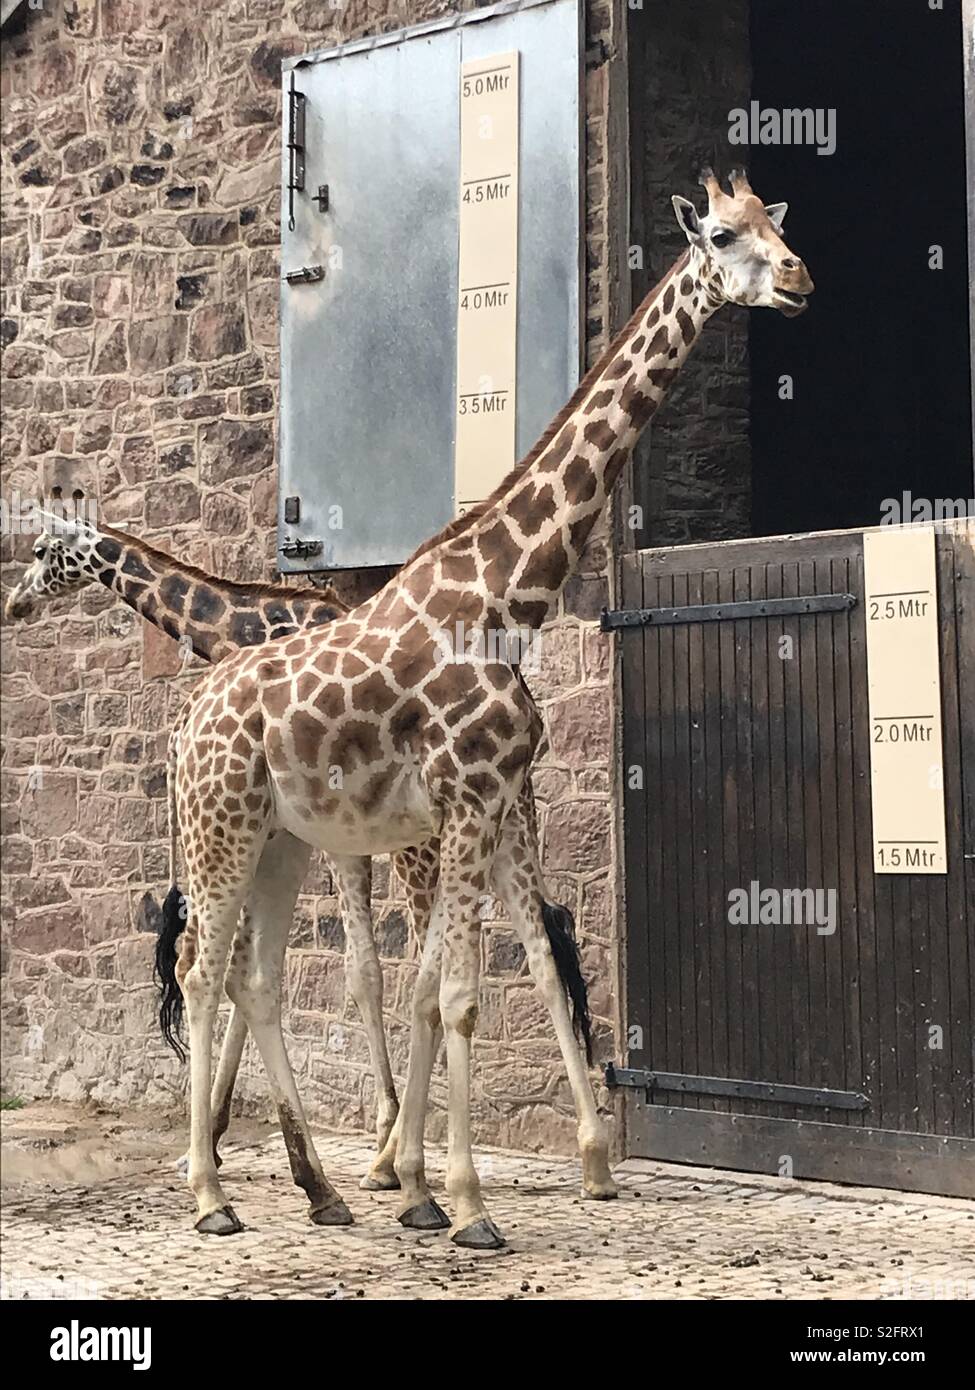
[(881, 363)]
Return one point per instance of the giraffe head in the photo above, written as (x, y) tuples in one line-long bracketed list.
[(63, 562), (740, 242)]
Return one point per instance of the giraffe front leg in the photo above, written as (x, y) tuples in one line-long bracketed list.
[(466, 855)]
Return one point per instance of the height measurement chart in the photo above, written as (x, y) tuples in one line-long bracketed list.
[(488, 276), (904, 679)]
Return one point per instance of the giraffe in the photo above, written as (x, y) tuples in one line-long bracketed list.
[(213, 617), (429, 748), (210, 616)]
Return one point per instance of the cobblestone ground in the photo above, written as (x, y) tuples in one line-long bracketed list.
[(675, 1233)]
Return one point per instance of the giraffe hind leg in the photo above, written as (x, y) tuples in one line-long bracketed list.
[(418, 869), (202, 958), (254, 981), (554, 966), (231, 1051), (353, 878)]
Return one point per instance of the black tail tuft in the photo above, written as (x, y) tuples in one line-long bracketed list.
[(559, 928), (167, 954)]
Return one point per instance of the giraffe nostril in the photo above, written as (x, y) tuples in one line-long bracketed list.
[(790, 263)]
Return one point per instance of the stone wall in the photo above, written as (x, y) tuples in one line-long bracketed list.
[(140, 272)]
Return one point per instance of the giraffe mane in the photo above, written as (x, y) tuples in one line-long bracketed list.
[(461, 523), (307, 593)]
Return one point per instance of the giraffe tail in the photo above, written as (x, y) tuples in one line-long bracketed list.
[(560, 930), (167, 954), (174, 912)]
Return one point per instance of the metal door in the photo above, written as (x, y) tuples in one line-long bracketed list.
[(369, 273)]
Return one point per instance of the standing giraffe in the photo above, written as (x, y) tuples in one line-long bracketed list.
[(214, 617), (429, 748)]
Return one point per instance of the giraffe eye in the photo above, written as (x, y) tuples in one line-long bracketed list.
[(722, 237), (39, 552)]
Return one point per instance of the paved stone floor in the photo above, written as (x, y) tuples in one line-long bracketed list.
[(675, 1233)]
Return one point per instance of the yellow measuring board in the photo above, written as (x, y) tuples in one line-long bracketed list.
[(904, 681), (487, 299)]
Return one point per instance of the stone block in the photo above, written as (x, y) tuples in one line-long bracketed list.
[(157, 343), (218, 330), (58, 928), (235, 448), (577, 837), (578, 728)]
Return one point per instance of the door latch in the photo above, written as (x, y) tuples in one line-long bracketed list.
[(306, 275), (301, 549)]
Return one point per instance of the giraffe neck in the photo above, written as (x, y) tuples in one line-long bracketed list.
[(524, 543), (211, 616)]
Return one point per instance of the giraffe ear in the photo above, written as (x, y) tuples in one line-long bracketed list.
[(775, 212), (687, 219)]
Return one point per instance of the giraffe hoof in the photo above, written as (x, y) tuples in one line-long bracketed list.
[(425, 1217), (481, 1235), (223, 1222), (335, 1214), (380, 1182), (601, 1192)]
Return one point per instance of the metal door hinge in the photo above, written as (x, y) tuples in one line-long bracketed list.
[(615, 620), (780, 1093), (296, 148), (307, 275)]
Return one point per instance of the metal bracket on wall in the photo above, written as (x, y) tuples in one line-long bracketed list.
[(615, 620), (781, 1094)]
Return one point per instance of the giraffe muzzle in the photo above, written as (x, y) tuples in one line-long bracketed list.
[(790, 303), (791, 295)]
